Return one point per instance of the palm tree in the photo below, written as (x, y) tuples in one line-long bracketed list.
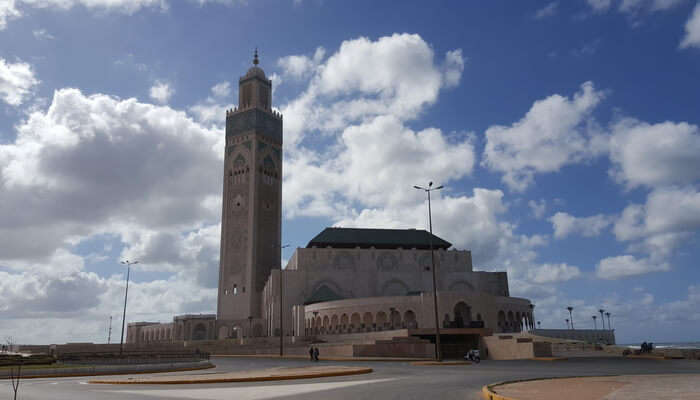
[(571, 316)]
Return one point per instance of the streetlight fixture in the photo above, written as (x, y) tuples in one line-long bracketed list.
[(438, 352), (281, 319), (126, 294), (602, 319), (567, 324), (607, 314), (595, 325), (571, 316)]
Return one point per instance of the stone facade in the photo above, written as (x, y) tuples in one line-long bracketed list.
[(183, 327)]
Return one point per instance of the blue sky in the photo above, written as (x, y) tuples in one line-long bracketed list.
[(566, 134)]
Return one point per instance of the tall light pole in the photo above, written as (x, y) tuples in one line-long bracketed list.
[(571, 316), (281, 319), (126, 294), (438, 352), (607, 314), (595, 325), (602, 319)]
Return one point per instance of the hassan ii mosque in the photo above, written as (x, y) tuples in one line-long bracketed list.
[(345, 283)]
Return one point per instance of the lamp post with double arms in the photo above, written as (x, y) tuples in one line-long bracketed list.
[(430, 188), (571, 316), (126, 294)]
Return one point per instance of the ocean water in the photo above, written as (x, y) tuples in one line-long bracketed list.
[(668, 345)]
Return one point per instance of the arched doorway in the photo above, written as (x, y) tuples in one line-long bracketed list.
[(409, 317), (463, 315), (367, 321), (381, 320)]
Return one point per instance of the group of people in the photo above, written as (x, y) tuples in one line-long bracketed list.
[(313, 353), (646, 347)]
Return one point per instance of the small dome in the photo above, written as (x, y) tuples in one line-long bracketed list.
[(255, 71)]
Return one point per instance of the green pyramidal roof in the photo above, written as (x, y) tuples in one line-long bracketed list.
[(377, 238)]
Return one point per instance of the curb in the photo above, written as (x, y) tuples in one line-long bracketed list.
[(79, 374), (357, 371), (488, 393), (549, 358)]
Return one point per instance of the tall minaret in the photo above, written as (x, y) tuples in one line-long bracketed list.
[(251, 220)]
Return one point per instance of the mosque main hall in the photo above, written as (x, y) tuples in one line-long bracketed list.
[(346, 284)]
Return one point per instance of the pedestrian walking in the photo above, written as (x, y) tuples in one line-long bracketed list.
[(311, 353), (316, 353)]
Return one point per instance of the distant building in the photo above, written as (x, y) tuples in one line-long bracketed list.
[(345, 280)]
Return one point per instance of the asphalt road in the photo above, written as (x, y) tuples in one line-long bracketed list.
[(390, 380)]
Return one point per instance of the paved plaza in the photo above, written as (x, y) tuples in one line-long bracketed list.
[(390, 380)]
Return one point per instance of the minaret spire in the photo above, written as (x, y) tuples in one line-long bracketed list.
[(255, 57)]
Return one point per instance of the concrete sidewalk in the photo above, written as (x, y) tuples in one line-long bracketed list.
[(271, 374), (624, 387)]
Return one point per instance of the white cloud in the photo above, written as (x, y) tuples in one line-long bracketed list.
[(16, 81), (161, 92), (394, 75), (42, 34), (8, 10), (548, 10), (627, 265), (692, 30), (565, 224), (221, 89), (669, 216), (95, 163), (551, 273), (212, 110), (301, 66), (453, 68), (99, 165), (599, 5), (538, 208), (555, 132), (655, 154), (635, 6)]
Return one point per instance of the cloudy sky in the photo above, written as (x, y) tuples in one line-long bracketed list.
[(565, 132)]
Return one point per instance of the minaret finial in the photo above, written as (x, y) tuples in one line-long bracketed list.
[(255, 57)]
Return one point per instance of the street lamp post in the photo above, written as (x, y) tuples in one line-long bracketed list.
[(607, 314), (438, 352), (602, 319), (595, 325), (281, 297), (567, 324), (571, 316), (126, 294)]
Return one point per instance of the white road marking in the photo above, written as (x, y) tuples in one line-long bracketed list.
[(248, 392)]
